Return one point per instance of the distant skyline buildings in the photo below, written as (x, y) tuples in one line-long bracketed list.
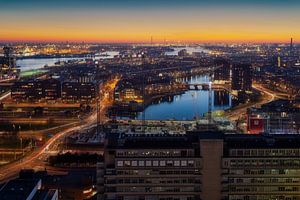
[(137, 21)]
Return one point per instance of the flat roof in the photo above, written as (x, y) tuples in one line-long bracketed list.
[(18, 189), (44, 194)]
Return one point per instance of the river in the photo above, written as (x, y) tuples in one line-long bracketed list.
[(187, 106), (189, 50), (39, 63)]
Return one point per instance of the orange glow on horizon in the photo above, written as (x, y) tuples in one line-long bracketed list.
[(139, 26), (120, 39)]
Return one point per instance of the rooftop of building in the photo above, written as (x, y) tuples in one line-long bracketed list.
[(136, 141), (280, 105), (262, 141), (45, 194), (18, 189), (189, 140)]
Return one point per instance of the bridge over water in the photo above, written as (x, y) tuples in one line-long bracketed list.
[(205, 86)]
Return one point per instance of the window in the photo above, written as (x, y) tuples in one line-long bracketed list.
[(120, 164), (184, 163), (141, 163), (190, 163), (127, 163), (169, 163), (134, 163), (148, 163), (162, 163)]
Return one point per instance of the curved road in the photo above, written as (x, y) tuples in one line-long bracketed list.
[(267, 97), (33, 160)]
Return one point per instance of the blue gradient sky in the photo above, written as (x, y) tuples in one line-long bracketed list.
[(137, 20)]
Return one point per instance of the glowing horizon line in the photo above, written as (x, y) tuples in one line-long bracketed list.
[(158, 41)]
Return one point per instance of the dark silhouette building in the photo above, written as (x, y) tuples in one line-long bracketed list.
[(222, 73), (8, 67), (241, 77), (78, 92), (36, 90), (27, 91), (51, 89)]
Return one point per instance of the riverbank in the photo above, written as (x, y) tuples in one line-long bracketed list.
[(43, 56)]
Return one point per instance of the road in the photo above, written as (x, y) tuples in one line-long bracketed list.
[(35, 159), (267, 96), (4, 96), (7, 80)]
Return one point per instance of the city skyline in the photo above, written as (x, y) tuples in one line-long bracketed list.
[(135, 21), (150, 100)]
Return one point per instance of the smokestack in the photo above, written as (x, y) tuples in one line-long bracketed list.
[(291, 47)]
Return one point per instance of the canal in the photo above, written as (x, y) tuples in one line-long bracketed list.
[(187, 106)]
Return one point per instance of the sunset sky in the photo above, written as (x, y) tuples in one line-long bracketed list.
[(138, 20)]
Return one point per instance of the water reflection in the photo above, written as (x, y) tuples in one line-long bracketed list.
[(38, 63), (187, 106)]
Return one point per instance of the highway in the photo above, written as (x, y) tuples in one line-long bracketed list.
[(35, 160)]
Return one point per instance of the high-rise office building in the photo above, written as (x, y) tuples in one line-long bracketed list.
[(241, 77), (8, 67), (194, 166), (9, 57)]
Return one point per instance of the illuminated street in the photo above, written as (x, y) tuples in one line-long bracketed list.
[(33, 160), (150, 100)]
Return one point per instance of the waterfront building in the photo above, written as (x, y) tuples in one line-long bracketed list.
[(183, 53), (222, 72), (241, 77), (8, 67), (126, 92), (9, 58), (199, 165)]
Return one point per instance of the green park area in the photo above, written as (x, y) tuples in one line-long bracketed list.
[(34, 72)]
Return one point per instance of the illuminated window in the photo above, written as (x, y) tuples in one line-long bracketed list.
[(155, 163), (184, 163), (120, 164), (162, 163)]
